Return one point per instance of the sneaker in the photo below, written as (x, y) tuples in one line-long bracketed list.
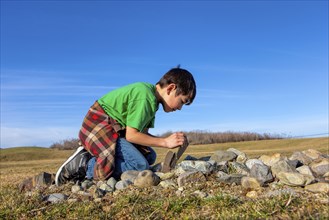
[(74, 168)]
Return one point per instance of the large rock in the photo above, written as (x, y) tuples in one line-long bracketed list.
[(249, 163), (282, 166), (190, 177), (250, 183), (270, 160), (262, 173), (318, 187), (301, 157), (229, 179), (294, 178), (198, 165), (221, 155), (146, 178), (238, 168), (320, 167), (305, 170), (313, 154)]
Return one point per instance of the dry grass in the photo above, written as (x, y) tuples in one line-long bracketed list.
[(229, 202)]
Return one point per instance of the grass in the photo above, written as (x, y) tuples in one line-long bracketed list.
[(227, 202)]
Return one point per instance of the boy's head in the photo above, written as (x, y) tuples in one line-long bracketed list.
[(184, 81)]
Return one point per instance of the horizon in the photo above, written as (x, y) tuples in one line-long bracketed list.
[(259, 66)]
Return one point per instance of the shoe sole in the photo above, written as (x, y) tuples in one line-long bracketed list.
[(79, 149)]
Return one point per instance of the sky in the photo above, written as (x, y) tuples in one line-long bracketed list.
[(259, 66)]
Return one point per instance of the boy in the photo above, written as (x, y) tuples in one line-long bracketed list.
[(114, 133)]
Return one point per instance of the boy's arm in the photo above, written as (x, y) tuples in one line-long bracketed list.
[(136, 137)]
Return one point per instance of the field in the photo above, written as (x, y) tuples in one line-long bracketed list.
[(228, 202)]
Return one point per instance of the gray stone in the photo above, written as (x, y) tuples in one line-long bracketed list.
[(106, 188), (190, 177), (86, 184), (305, 170), (241, 158), (313, 154), (294, 179), (249, 163), (146, 178), (111, 182), (165, 176), (229, 179), (320, 167), (55, 198), (122, 184), (76, 188), (202, 166), (168, 184), (262, 173), (221, 155), (236, 151), (200, 194), (282, 166)]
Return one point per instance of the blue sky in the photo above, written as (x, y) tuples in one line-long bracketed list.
[(260, 66)]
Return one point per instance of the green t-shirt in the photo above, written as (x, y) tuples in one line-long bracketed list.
[(133, 105)]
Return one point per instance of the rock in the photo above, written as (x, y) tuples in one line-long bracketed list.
[(237, 152), (270, 160), (86, 184), (229, 179), (295, 163), (221, 166), (238, 168), (252, 195), (221, 155), (168, 184), (146, 178), (294, 178), (122, 184), (129, 175), (164, 176), (313, 154), (75, 188), (301, 157), (262, 173), (320, 166), (305, 170), (241, 158), (282, 166), (250, 183), (55, 198), (111, 182), (249, 163), (106, 188), (202, 166), (280, 192), (190, 177), (318, 188)]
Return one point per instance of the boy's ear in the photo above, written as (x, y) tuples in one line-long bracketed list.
[(171, 87)]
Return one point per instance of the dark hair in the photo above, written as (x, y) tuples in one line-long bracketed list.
[(184, 81)]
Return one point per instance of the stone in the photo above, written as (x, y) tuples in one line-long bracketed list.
[(280, 192), (313, 154), (221, 155), (165, 176), (249, 163), (75, 188), (305, 170), (55, 198), (238, 168), (129, 175), (252, 194), (168, 184), (106, 188), (262, 173), (221, 166), (190, 177), (295, 163), (270, 160), (200, 194), (250, 183), (111, 182), (241, 158), (300, 157), (146, 178), (320, 167), (202, 166), (122, 184), (282, 166), (318, 188), (294, 179), (229, 179), (86, 184), (236, 151)]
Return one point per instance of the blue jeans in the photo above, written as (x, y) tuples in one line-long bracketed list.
[(127, 157)]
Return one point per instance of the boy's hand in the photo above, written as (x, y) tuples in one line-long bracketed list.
[(175, 140)]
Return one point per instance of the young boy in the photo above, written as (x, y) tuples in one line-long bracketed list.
[(114, 133)]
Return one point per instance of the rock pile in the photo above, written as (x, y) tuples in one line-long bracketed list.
[(307, 170)]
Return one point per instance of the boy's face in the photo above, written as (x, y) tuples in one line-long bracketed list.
[(171, 102)]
